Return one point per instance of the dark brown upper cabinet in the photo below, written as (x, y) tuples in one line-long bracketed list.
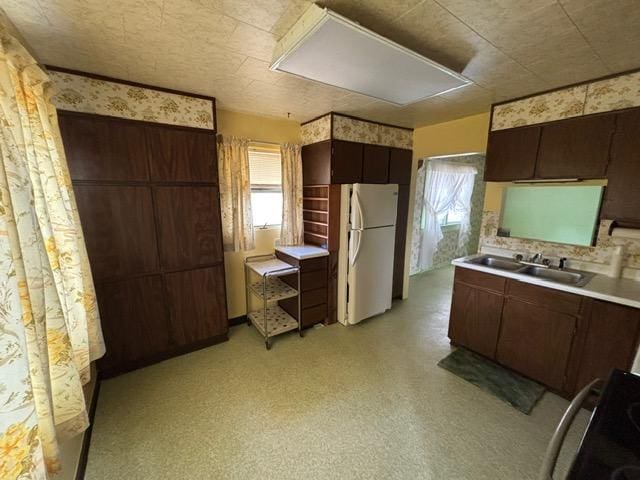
[(575, 148), (182, 155), (332, 162), (99, 148), (511, 154), (316, 163), (375, 164), (400, 164), (346, 162), (622, 195)]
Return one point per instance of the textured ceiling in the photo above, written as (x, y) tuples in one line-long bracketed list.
[(222, 48)]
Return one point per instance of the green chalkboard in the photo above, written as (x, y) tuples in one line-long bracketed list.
[(561, 214)]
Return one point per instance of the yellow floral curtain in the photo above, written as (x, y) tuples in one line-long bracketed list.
[(292, 230), (235, 194), (49, 321)]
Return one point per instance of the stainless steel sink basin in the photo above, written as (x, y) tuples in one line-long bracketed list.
[(497, 262), (567, 277), (574, 278)]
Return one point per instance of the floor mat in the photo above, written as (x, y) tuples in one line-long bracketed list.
[(511, 387)]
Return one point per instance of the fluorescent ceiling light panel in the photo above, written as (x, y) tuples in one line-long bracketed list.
[(331, 49)]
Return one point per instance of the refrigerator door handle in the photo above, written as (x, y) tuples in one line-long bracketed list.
[(360, 215), (356, 246)]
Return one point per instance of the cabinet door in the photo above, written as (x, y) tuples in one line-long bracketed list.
[(104, 149), (402, 218), (197, 309), (134, 323), (611, 342), (511, 154), (188, 224), (622, 195), (575, 148), (119, 230), (346, 162), (400, 164), (182, 155), (475, 319), (375, 164), (316, 163), (536, 341)]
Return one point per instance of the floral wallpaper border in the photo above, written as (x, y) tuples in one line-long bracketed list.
[(90, 95), (600, 253), (354, 130), (316, 131), (599, 96)]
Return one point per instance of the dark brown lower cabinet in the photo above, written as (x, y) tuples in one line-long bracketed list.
[(195, 300), (475, 319), (314, 280), (134, 322), (611, 341), (557, 338), (536, 341)]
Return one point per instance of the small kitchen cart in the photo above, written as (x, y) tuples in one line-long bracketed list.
[(261, 274)]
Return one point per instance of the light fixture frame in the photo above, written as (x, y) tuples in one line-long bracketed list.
[(315, 17)]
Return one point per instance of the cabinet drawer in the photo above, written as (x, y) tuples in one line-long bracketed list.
[(310, 316), (480, 279), (315, 297), (552, 299), (308, 280)]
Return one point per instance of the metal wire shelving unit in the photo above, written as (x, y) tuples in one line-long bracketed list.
[(262, 280)]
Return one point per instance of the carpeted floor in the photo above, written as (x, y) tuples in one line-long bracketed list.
[(366, 402)]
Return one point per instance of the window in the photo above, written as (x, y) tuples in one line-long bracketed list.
[(452, 217), (266, 186)]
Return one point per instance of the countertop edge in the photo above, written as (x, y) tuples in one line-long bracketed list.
[(583, 291), (302, 257)]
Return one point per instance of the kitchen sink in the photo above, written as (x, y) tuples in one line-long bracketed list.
[(567, 277), (574, 278), (497, 262)]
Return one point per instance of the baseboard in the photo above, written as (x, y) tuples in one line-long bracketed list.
[(86, 441), (237, 320)]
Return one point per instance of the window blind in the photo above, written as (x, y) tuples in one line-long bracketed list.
[(264, 167)]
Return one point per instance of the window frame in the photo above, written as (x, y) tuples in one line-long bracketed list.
[(263, 188)]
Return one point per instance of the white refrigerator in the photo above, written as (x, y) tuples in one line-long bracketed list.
[(372, 232)]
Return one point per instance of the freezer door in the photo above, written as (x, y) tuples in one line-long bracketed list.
[(373, 205), (370, 276)]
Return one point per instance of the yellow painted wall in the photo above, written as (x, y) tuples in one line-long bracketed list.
[(260, 129), (465, 135)]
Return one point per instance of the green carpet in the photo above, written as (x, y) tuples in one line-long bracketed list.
[(511, 387)]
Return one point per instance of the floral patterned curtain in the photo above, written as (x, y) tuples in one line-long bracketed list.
[(49, 321), (292, 230), (235, 194)]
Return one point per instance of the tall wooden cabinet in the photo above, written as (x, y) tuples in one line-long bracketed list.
[(148, 200)]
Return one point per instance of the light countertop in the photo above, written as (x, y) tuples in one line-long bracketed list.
[(616, 290), (303, 252)]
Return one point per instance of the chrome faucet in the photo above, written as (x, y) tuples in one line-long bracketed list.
[(537, 258)]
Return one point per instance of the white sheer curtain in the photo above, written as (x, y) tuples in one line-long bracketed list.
[(448, 187)]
